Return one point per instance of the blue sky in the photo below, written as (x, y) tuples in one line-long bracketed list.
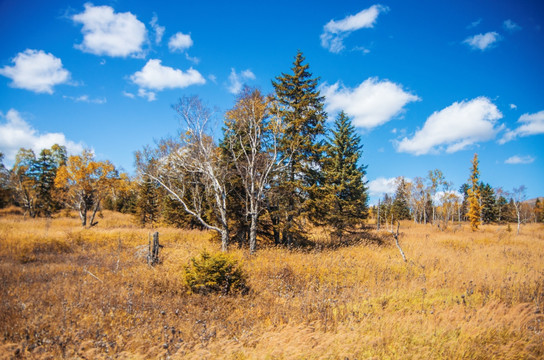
[(427, 83)]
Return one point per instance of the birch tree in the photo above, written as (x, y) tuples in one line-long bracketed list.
[(251, 138), (190, 167), (518, 197)]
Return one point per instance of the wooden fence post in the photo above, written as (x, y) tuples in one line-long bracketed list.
[(153, 253)]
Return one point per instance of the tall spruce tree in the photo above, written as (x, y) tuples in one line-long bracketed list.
[(44, 170), (401, 207), (344, 204), (299, 105), (488, 204), (474, 209), (147, 203)]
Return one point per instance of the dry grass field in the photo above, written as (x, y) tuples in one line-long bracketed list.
[(69, 292)]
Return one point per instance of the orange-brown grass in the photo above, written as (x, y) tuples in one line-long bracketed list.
[(89, 294)]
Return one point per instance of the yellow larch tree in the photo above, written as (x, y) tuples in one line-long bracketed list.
[(474, 196), (86, 181)]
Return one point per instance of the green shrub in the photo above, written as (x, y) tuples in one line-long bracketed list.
[(215, 273)]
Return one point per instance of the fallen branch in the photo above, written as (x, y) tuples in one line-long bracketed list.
[(93, 275)]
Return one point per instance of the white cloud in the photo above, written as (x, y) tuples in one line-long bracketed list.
[(16, 133), (36, 71), (474, 23), (510, 26), (482, 41), (455, 127), (440, 197), (155, 76), (334, 32), (236, 81), (192, 59), (86, 99), (108, 33), (180, 42), (129, 95), (159, 30), (520, 160), (382, 186), (513, 106), (532, 124), (149, 95), (370, 104)]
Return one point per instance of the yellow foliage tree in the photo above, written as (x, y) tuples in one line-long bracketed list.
[(86, 181), (474, 196)]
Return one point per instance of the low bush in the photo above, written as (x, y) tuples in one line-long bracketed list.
[(215, 273)]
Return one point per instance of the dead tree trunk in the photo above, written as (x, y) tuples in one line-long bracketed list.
[(396, 236), (153, 254)]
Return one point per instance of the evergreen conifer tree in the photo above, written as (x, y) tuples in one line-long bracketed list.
[(401, 207), (488, 203), (344, 204), (43, 171), (474, 196), (539, 210), (147, 204), (300, 106)]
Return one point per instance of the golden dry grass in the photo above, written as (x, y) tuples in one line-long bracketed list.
[(88, 294)]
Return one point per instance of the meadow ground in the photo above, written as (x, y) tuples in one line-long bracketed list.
[(69, 292)]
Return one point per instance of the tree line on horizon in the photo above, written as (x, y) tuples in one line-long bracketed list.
[(434, 200), (277, 172)]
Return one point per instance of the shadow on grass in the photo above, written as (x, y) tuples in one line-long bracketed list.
[(330, 241)]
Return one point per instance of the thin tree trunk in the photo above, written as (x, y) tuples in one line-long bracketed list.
[(91, 222), (83, 215), (519, 219), (253, 234), (224, 239)]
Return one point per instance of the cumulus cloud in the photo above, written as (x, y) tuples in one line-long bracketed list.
[(180, 42), (16, 133), (155, 76), (513, 106), (519, 160), (236, 81), (370, 104), (159, 30), (482, 41), (334, 32), (532, 124), (441, 197), (455, 128), (381, 185), (510, 26), (36, 70), (108, 33)]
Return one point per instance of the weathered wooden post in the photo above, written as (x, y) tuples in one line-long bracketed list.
[(153, 253)]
